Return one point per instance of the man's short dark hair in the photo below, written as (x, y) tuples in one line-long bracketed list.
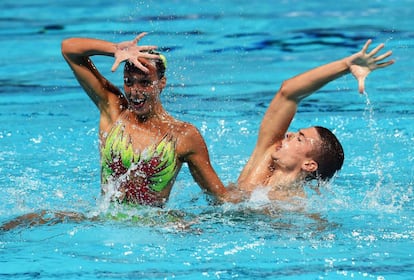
[(329, 155)]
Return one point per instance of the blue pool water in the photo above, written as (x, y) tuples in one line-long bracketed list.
[(226, 60)]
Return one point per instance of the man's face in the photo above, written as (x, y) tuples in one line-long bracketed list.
[(142, 89), (296, 148)]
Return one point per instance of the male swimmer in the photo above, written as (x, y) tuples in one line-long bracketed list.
[(283, 161)]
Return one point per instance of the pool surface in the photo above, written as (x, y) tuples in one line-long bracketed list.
[(226, 59)]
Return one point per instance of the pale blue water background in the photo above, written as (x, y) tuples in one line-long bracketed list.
[(225, 61)]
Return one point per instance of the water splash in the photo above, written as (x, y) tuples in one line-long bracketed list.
[(104, 201), (382, 196)]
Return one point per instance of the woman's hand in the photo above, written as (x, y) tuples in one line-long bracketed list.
[(130, 51), (363, 63)]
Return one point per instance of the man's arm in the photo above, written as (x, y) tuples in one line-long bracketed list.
[(284, 105)]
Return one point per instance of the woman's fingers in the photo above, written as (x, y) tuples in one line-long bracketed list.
[(139, 37)]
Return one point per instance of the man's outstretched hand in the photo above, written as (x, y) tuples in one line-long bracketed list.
[(363, 63)]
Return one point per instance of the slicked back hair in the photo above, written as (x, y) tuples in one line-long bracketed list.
[(329, 156)]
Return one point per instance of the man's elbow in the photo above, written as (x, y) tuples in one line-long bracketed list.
[(285, 90), (289, 90)]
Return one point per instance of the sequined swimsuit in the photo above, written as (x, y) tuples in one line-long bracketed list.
[(138, 175)]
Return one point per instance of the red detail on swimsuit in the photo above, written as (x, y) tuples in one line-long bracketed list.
[(136, 184), (137, 189)]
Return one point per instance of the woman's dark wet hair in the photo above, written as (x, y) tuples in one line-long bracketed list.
[(329, 156), (159, 64)]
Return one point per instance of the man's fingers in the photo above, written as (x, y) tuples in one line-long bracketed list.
[(377, 49), (385, 64), (385, 55), (366, 46), (361, 85)]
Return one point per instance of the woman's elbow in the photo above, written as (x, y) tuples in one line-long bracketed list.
[(67, 45)]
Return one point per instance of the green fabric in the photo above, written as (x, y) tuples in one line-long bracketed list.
[(144, 215)]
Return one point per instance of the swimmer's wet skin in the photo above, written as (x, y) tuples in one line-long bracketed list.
[(42, 217)]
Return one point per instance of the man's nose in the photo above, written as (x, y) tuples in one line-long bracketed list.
[(290, 135)]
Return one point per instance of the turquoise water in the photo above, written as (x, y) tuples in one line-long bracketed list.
[(226, 60)]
